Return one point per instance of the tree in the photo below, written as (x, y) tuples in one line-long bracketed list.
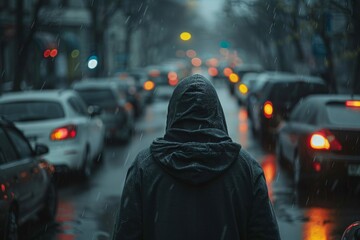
[(23, 39)]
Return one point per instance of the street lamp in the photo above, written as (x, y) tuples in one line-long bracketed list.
[(185, 36)]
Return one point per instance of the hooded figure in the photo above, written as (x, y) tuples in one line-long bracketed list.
[(195, 183)]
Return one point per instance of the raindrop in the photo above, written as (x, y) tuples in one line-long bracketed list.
[(141, 136), (98, 196), (156, 216), (223, 232), (171, 187), (127, 158), (43, 85), (127, 19), (126, 202)]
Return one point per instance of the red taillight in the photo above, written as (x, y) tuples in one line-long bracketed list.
[(317, 166), (352, 103), (63, 133), (324, 140), (173, 78), (268, 109)]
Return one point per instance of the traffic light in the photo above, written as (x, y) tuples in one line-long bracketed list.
[(52, 53), (92, 62)]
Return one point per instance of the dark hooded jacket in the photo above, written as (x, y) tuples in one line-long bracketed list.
[(195, 183)]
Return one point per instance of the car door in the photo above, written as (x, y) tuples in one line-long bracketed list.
[(93, 125), (19, 169)]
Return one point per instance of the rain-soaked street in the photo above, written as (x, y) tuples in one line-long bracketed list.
[(87, 210)]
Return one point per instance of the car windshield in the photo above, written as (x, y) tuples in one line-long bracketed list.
[(295, 91), (101, 97), (343, 116), (31, 111)]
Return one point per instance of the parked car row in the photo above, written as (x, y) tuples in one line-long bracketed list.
[(27, 188), (316, 134)]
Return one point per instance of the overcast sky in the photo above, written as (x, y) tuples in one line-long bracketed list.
[(210, 9)]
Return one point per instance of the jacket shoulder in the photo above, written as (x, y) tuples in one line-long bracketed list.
[(250, 163)]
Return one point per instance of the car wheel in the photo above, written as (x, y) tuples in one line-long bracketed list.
[(86, 165), (301, 185), (48, 213), (12, 226)]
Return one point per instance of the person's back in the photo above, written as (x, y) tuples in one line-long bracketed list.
[(195, 183)]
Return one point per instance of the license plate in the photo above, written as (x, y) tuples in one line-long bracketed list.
[(353, 170)]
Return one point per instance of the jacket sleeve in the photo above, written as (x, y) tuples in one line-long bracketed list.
[(128, 225), (262, 220)]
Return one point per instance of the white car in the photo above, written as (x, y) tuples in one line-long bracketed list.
[(59, 119)]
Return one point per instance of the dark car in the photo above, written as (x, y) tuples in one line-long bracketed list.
[(26, 182), (239, 72), (144, 85), (128, 86), (321, 140), (117, 114), (277, 98)]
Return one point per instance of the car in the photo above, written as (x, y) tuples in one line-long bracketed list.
[(320, 141), (239, 72), (258, 84), (117, 114), (144, 85), (277, 98), (243, 88), (27, 187), (128, 86), (59, 119), (166, 76)]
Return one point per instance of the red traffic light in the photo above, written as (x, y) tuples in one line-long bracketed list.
[(50, 53)]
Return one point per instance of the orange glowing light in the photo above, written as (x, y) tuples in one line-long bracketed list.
[(196, 62), (63, 133), (128, 106), (213, 71), (243, 89), (149, 85), (352, 103), (227, 72), (316, 229), (233, 77), (191, 53), (318, 141), (268, 109), (172, 76)]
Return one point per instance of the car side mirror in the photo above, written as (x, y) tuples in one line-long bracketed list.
[(41, 149), (94, 110), (352, 232)]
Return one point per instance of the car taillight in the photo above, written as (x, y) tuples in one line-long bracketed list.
[(352, 103), (63, 133), (243, 89), (149, 85), (324, 140), (233, 77), (213, 71), (172, 78), (227, 72), (268, 109)]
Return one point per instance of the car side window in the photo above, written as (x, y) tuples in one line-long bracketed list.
[(21, 145), (7, 151), (78, 106)]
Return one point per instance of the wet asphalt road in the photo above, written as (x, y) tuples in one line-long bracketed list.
[(87, 210)]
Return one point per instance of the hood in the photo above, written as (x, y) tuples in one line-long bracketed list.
[(196, 147)]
